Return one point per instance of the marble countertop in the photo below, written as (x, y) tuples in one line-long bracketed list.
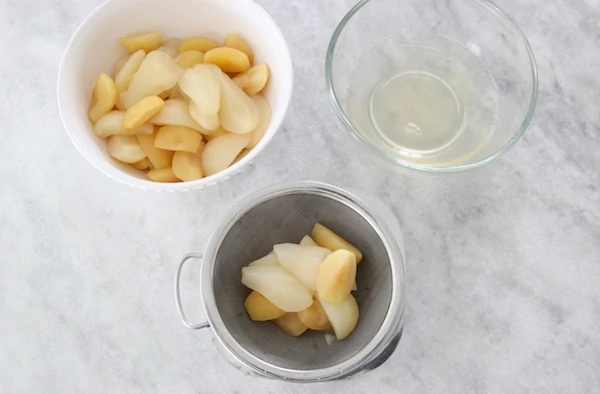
[(503, 263)]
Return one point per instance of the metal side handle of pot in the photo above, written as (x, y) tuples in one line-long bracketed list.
[(184, 319)]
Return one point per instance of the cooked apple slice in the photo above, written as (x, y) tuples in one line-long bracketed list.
[(104, 97), (176, 112), (326, 238), (125, 74), (343, 316), (220, 152), (253, 80), (160, 158), (291, 324), (209, 122), (278, 286), (110, 124), (187, 166), (158, 72), (229, 60), (302, 261), (146, 42), (178, 138), (202, 85), (238, 113), (141, 112), (189, 59), (261, 309), (125, 148), (336, 276), (314, 317)]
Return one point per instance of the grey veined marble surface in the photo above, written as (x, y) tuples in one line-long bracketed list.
[(503, 263)]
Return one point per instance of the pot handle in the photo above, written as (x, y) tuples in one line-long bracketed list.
[(182, 315)]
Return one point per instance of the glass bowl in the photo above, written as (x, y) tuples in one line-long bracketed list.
[(432, 86)]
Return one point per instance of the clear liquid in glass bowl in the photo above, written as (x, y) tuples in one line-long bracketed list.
[(430, 106)]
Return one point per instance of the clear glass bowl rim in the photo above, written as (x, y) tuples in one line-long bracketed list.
[(391, 158)]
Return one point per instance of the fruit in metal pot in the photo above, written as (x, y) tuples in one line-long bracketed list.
[(278, 286), (302, 261), (343, 316), (261, 309), (326, 238), (291, 324)]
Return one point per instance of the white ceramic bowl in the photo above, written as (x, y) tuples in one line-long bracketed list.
[(94, 48)]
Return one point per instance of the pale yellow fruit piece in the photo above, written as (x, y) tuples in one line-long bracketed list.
[(237, 42), (157, 73), (343, 316), (171, 47), (146, 41), (302, 261), (178, 138), (189, 59), (314, 317), (187, 166), (208, 122), (254, 80), (176, 113), (119, 64), (125, 74), (221, 151), (261, 309), (143, 164), (160, 158), (307, 241), (229, 60), (291, 324), (125, 148), (277, 285), (197, 43), (104, 97), (326, 238), (163, 175), (110, 124), (265, 119), (336, 276), (212, 134), (271, 258), (142, 111), (238, 114), (202, 85)]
